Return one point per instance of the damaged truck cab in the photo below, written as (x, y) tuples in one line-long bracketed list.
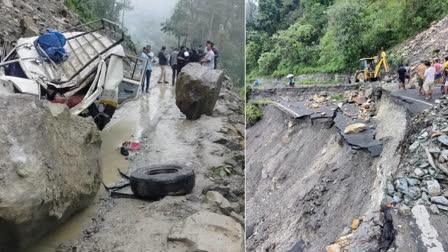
[(93, 80)]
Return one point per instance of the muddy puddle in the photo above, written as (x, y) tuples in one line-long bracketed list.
[(125, 126)]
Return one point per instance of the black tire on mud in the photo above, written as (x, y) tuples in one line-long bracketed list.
[(157, 181)]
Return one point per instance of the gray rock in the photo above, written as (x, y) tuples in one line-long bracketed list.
[(197, 90), (440, 200), (424, 165), (412, 181), (390, 188), (443, 139), (414, 146), (44, 184), (414, 193), (396, 199), (404, 209), (401, 185), (419, 172), (434, 209), (29, 29), (7, 3), (444, 154), (433, 187)]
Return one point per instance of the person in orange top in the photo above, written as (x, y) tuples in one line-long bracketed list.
[(421, 76)]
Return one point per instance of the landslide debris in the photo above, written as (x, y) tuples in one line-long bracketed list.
[(49, 168), (21, 18)]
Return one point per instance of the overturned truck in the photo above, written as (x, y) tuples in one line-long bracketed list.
[(93, 77)]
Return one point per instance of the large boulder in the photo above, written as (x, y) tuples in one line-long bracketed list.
[(197, 90), (49, 167)]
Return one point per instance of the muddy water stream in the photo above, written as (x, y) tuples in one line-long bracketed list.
[(124, 127)]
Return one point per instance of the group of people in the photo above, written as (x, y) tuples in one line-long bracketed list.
[(428, 73), (207, 56)]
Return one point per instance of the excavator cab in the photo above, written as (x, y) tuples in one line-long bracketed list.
[(371, 68)]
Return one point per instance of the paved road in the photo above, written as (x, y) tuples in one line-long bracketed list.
[(417, 103)]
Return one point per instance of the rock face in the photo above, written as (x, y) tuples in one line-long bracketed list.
[(197, 90), (206, 231), (49, 167)]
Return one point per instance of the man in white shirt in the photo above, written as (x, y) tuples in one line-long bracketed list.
[(147, 54), (430, 74), (209, 58)]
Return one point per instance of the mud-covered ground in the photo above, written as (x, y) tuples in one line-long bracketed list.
[(207, 145)]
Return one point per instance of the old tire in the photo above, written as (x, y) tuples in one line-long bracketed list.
[(157, 181)]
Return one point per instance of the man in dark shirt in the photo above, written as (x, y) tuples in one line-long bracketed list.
[(216, 52), (182, 59), (163, 62), (401, 77)]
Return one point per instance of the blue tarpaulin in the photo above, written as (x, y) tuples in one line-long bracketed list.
[(52, 42)]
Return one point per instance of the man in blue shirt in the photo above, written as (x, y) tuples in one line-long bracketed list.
[(147, 54)]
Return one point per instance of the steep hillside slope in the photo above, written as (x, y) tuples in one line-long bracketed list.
[(28, 18)]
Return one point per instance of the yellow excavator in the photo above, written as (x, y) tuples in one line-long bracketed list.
[(371, 68)]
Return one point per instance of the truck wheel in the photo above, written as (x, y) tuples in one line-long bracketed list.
[(155, 182)]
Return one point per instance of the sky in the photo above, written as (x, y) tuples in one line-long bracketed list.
[(143, 22)]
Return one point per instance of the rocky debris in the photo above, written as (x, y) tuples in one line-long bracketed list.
[(423, 173), (197, 90), (355, 128), (206, 231), (46, 177), (20, 18), (224, 205)]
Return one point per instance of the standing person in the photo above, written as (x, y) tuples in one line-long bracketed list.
[(173, 63), (163, 61), (401, 77), (216, 52), (209, 58), (430, 74), (438, 68), (148, 55), (445, 76), (182, 59), (408, 73), (421, 76)]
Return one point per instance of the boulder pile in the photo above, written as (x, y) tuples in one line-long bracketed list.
[(423, 174)]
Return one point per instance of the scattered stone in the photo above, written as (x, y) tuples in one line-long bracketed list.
[(28, 27), (440, 200), (434, 209), (401, 185), (390, 188), (315, 105), (355, 223), (412, 181), (334, 248), (433, 187), (355, 128), (404, 209), (419, 172), (443, 139)]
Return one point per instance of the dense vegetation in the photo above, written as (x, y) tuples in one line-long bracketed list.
[(304, 36), (196, 21)]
